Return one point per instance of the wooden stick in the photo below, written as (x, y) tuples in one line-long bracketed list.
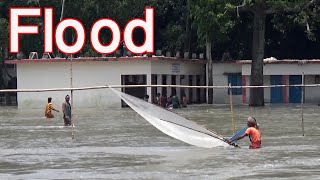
[(231, 108), (71, 85), (72, 126), (302, 100), (72, 118)]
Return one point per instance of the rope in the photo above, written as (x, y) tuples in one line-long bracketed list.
[(133, 86)]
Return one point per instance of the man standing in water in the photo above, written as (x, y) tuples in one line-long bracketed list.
[(253, 132), (49, 109), (66, 109)]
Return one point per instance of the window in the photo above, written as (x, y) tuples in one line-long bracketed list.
[(317, 79), (235, 80)]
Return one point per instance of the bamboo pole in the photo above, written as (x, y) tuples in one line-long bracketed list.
[(231, 108), (71, 85), (302, 100)]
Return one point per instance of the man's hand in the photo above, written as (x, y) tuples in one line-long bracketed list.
[(232, 143)]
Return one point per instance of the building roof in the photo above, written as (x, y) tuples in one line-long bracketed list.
[(275, 61), (91, 59), (162, 58)]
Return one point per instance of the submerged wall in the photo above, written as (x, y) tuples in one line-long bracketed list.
[(47, 74), (289, 72), (84, 74)]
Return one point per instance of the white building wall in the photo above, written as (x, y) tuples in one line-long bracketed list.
[(220, 96), (221, 68), (285, 69), (85, 74), (312, 94), (220, 78), (186, 68), (267, 91), (99, 73), (247, 89), (178, 68), (45, 75)]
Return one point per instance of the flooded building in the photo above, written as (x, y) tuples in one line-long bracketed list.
[(276, 72), (87, 72)]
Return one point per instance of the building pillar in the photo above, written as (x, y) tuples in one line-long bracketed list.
[(244, 90), (178, 82), (149, 88), (169, 78), (186, 90)]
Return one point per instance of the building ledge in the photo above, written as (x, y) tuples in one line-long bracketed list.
[(94, 59), (273, 61)]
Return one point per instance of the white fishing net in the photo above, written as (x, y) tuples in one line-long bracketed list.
[(173, 124)]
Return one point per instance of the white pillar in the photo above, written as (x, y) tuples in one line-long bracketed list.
[(178, 78), (169, 83), (149, 88)]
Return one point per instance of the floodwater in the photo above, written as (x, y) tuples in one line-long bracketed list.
[(119, 144)]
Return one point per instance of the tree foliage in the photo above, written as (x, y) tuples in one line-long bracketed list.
[(211, 17), (294, 9), (289, 21)]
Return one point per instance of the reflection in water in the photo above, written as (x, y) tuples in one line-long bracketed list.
[(119, 144)]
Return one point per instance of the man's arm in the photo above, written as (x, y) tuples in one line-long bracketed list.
[(64, 108), (55, 110), (240, 137)]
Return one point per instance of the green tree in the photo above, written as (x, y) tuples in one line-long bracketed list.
[(299, 9), (213, 23), (3, 48)]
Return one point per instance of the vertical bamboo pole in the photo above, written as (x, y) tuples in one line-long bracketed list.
[(71, 85), (302, 101), (71, 80), (231, 108)]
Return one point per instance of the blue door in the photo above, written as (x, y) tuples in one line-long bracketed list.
[(276, 92), (235, 80), (295, 92)]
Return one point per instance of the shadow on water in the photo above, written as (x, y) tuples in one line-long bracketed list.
[(119, 144)]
